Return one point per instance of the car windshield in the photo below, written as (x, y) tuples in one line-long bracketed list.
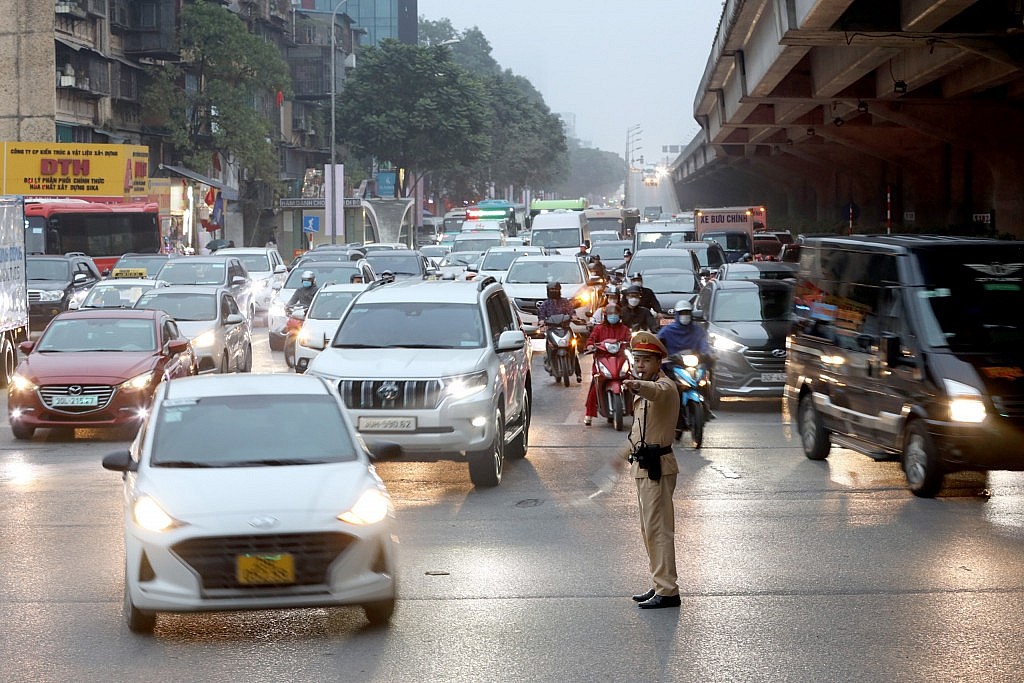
[(554, 238), (499, 260), (974, 297), (186, 272), (651, 240), (181, 306), (462, 258), (543, 272), (150, 264), (255, 263), (732, 241), (750, 305), (399, 264), (614, 225), (480, 244), (250, 431), (644, 262), (338, 273), (48, 269), (422, 325), (330, 305), (681, 282), (114, 295), (97, 334), (610, 251)]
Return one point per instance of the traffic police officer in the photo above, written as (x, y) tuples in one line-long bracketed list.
[(655, 411)]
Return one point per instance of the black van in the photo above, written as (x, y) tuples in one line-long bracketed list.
[(910, 347)]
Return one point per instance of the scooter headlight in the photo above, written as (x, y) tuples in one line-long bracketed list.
[(691, 360)]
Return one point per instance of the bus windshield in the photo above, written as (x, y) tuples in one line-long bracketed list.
[(101, 231)]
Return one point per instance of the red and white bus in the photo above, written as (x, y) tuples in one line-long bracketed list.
[(103, 231)]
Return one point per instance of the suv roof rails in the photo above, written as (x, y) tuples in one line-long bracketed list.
[(75, 253)]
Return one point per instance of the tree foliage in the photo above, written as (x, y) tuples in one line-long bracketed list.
[(527, 145), (592, 172), (415, 107), (220, 96)]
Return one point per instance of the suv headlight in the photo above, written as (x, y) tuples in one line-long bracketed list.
[(138, 383), (51, 295), (965, 402), (22, 383), (724, 343), (464, 386)]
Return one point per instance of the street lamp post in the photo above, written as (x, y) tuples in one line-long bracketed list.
[(632, 137), (334, 92)]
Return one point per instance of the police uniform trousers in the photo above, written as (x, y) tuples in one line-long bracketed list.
[(658, 527)]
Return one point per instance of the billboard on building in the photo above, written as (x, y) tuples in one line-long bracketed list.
[(69, 169)]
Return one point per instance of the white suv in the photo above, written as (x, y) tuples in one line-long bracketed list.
[(440, 367)]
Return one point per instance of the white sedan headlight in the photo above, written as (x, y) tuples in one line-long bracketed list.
[(208, 338), (51, 295), (371, 508), (464, 386), (276, 310), (148, 514), (966, 404), (138, 382)]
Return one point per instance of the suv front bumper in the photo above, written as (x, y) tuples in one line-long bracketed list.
[(450, 430)]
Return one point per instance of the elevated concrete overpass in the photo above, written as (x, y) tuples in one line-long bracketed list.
[(910, 113)]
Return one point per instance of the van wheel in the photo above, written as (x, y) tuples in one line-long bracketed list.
[(9, 360), (813, 435), (485, 466), (921, 461)]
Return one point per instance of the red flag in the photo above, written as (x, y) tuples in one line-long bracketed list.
[(210, 197), (280, 98)]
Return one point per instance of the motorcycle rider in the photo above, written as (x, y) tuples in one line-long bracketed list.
[(611, 296), (304, 294), (683, 334), (648, 299), (636, 316), (597, 267), (611, 329), (556, 305)]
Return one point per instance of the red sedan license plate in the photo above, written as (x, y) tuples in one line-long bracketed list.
[(259, 570)]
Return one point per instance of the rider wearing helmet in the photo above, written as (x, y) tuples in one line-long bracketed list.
[(556, 305), (611, 296), (634, 314), (648, 299), (611, 329), (683, 334), (304, 294)]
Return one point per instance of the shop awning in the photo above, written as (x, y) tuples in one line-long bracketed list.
[(230, 193)]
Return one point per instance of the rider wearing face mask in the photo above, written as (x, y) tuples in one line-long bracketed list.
[(611, 329), (683, 334), (634, 314), (304, 294)]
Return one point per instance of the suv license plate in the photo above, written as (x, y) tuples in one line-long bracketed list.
[(773, 377), (387, 424)]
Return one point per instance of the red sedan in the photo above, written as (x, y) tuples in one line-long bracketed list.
[(96, 368)]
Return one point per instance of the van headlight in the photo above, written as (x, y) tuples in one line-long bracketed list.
[(965, 402), (464, 386)]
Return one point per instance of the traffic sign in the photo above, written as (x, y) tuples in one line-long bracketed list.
[(311, 224)]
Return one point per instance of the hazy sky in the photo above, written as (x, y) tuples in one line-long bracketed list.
[(613, 63)]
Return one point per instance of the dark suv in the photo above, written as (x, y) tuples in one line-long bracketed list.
[(53, 281)]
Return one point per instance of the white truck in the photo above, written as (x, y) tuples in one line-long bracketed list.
[(13, 284), (748, 219)]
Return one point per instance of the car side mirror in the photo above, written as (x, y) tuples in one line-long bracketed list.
[(511, 340), (473, 268), (120, 461), (176, 346), (313, 343), (238, 280), (276, 286), (26, 347), (280, 268), (78, 278), (697, 314), (234, 319)]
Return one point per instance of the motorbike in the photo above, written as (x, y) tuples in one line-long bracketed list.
[(561, 345), (691, 377), (292, 326), (611, 366)]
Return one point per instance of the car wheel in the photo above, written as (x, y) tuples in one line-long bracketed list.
[(9, 360), (276, 344), (225, 364), (485, 466), (517, 449), (247, 359), (22, 432), (921, 461), (379, 613), (695, 417), (813, 435), (137, 620)]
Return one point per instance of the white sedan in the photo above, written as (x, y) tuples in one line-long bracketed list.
[(320, 323), (224, 511)]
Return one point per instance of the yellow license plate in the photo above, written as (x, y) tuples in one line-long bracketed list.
[(257, 570)]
